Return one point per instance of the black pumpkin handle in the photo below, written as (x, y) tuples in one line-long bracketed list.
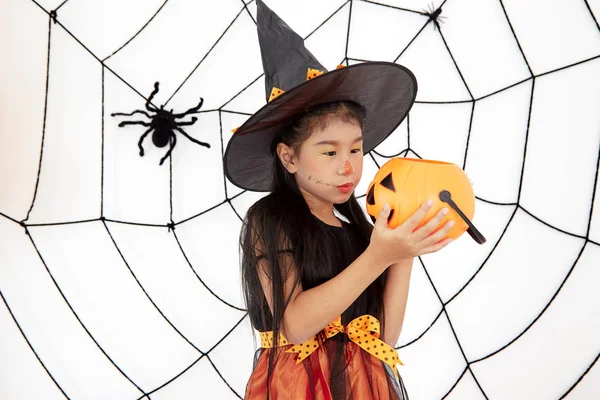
[(446, 197)]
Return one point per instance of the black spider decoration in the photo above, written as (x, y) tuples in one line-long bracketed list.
[(434, 15), (163, 123)]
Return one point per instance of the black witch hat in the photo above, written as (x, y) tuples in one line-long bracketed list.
[(296, 82)]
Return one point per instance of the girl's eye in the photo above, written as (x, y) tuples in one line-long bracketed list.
[(333, 153)]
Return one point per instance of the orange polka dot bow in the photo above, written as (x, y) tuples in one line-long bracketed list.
[(364, 331)]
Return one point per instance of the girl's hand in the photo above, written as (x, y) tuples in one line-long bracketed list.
[(404, 242)]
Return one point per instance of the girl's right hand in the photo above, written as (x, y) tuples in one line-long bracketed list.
[(404, 242)]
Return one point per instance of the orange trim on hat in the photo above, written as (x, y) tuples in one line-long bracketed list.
[(312, 73), (275, 92)]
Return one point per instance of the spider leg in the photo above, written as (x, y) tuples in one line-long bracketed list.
[(141, 140), (191, 138), (123, 123), (173, 143), (149, 106), (132, 113), (185, 123), (191, 110)]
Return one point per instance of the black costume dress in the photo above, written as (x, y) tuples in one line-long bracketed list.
[(345, 363)]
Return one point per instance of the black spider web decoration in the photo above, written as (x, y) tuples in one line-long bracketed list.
[(432, 19)]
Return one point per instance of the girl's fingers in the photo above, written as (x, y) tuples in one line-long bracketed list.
[(381, 223), (435, 247), (411, 223), (438, 235), (430, 226)]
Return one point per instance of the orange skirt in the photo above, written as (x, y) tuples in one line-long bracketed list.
[(338, 369)]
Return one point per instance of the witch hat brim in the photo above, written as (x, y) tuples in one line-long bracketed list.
[(386, 90)]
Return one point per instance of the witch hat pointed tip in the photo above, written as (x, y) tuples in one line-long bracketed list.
[(261, 7), (285, 58), (264, 16)]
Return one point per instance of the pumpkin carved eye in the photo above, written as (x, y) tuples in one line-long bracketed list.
[(388, 182)]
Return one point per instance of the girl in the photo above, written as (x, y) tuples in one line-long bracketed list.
[(328, 294)]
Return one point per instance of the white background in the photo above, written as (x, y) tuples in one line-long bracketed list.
[(100, 299)]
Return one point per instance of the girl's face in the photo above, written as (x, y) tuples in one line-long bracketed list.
[(328, 165)]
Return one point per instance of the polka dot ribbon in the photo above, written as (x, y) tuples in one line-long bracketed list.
[(364, 331)]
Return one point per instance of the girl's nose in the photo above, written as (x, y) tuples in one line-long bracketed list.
[(346, 169)]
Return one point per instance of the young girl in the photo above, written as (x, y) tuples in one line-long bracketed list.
[(326, 293)]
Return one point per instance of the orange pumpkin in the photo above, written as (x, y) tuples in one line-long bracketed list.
[(406, 183)]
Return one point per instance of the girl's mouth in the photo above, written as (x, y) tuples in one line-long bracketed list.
[(346, 187)]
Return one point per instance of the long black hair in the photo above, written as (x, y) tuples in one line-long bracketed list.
[(282, 222)]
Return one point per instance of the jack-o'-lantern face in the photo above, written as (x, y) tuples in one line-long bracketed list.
[(406, 183)]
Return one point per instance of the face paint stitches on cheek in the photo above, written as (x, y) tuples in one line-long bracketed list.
[(312, 178), (317, 180), (348, 169), (308, 163)]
